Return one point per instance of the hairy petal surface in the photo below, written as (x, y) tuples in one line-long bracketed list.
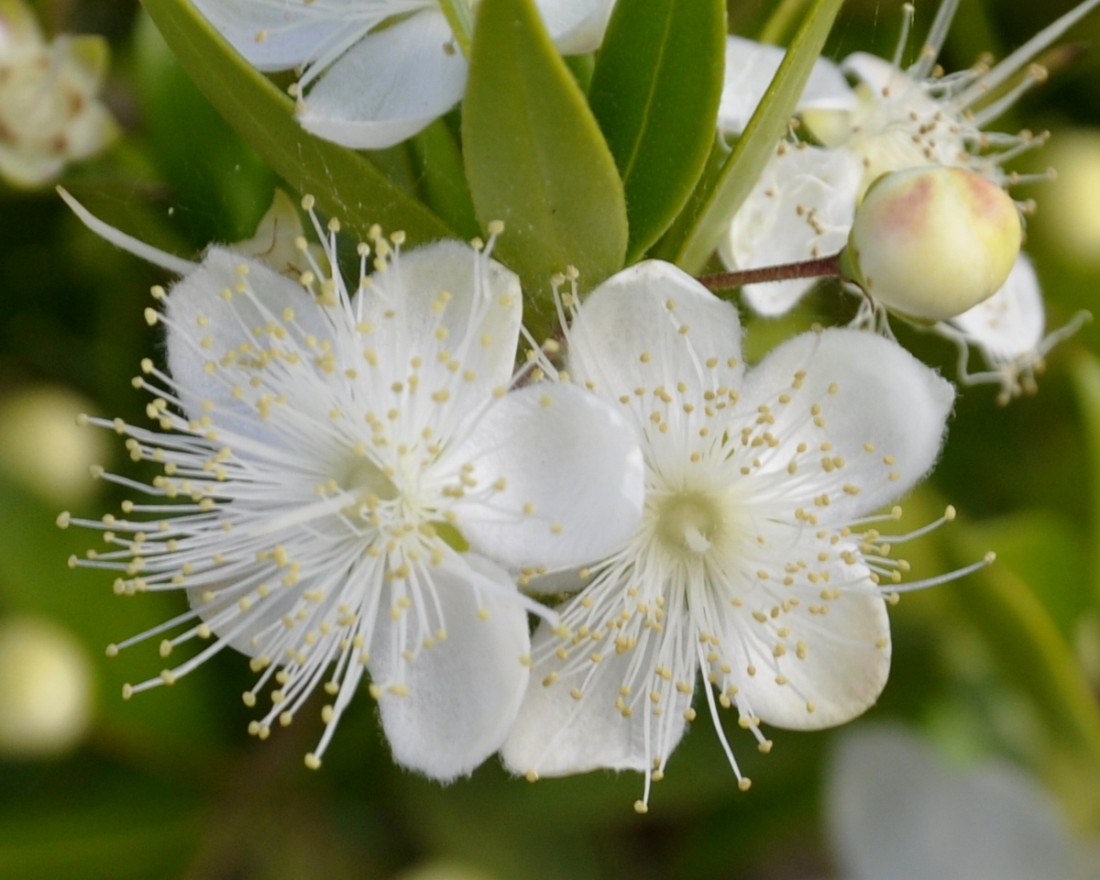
[(570, 472), (216, 315), (451, 707), (557, 734), (389, 85), (276, 34), (653, 319)]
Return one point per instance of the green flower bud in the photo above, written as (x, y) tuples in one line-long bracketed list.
[(931, 242)]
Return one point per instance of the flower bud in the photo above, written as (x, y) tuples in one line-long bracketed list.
[(932, 242)]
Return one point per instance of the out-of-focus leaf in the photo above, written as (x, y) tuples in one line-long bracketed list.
[(98, 832), (1086, 377), (1033, 656), (345, 183), (1045, 550), (655, 92), (692, 249), (535, 157), (34, 580)]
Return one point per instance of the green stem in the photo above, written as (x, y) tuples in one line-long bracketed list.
[(782, 23)]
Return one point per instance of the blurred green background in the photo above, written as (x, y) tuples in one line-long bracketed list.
[(169, 785)]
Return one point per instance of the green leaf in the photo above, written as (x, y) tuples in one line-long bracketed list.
[(442, 181), (768, 124), (345, 183), (535, 157), (1032, 655), (655, 92)]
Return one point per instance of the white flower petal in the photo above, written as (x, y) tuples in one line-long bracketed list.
[(802, 207), (576, 26), (882, 412), (557, 734), (875, 73), (456, 308), (750, 67), (464, 691), (571, 478), (389, 86), (274, 34), (1010, 323), (832, 668), (205, 328), (898, 810), (654, 325)]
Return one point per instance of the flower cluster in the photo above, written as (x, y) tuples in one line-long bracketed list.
[(375, 72), (892, 119), (361, 482)]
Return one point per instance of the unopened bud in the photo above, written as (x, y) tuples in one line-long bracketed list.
[(932, 242)]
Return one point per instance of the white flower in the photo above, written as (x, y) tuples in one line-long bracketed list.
[(1009, 330), (46, 688), (750, 564), (50, 114), (893, 119), (348, 487), (896, 809), (375, 72)]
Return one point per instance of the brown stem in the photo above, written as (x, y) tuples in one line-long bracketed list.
[(822, 267)]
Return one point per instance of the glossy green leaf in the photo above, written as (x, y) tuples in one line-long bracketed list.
[(345, 183), (655, 92), (755, 147), (535, 157)]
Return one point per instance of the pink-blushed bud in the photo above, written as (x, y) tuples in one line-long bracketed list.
[(932, 242)]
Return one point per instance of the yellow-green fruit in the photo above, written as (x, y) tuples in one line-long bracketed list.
[(932, 242)]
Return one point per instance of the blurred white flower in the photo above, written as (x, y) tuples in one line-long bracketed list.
[(349, 485), (753, 563), (45, 688), (43, 448), (1070, 219), (897, 810), (375, 72), (50, 113), (891, 120)]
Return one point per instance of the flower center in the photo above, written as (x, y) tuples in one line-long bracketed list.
[(368, 482), (689, 522)]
